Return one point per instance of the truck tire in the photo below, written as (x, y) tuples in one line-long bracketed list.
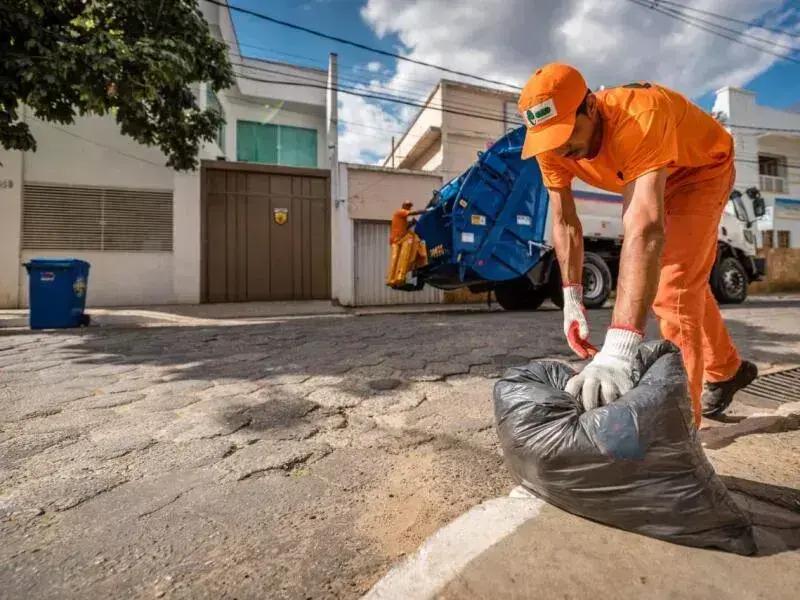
[(519, 294), (597, 283), (729, 281)]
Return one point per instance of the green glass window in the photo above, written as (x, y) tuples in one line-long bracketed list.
[(276, 144)]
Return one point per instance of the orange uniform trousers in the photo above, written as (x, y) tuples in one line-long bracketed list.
[(686, 309), (405, 254)]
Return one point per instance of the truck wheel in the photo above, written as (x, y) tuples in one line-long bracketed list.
[(519, 294), (597, 283), (729, 281)]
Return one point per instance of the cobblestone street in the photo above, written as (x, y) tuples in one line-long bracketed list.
[(292, 458)]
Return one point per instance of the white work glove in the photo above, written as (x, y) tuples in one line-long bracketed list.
[(610, 374), (576, 328)]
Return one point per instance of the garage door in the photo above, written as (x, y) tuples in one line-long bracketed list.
[(266, 233), (372, 257)]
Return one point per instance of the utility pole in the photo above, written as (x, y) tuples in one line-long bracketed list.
[(332, 110), (393, 152)]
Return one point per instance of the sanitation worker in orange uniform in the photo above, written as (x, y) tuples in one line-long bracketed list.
[(407, 250), (673, 165)]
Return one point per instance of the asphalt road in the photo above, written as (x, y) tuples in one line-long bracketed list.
[(287, 459)]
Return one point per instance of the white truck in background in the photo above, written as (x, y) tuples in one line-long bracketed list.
[(600, 212), (489, 229)]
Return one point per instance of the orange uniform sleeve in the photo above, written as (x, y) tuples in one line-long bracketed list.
[(646, 142), (554, 174)]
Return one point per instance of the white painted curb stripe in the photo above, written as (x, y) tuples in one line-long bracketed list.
[(445, 554)]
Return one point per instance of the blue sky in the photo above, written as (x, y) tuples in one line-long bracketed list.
[(611, 41)]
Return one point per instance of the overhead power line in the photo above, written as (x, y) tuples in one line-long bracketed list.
[(317, 63), (675, 14), (359, 45), (729, 19), (420, 103), (353, 81), (362, 94), (388, 98), (730, 30)]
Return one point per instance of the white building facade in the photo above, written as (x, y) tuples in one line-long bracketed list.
[(768, 158), (90, 192)]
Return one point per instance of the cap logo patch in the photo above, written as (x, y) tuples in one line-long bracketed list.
[(539, 113)]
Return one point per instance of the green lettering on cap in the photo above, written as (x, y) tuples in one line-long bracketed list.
[(542, 112)]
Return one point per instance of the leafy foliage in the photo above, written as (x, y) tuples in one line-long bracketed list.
[(135, 59)]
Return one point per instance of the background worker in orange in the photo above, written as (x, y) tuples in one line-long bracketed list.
[(673, 164), (406, 249), (400, 221)]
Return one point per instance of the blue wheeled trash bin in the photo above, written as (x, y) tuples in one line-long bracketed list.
[(57, 294)]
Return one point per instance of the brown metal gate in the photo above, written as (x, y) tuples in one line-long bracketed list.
[(265, 233)]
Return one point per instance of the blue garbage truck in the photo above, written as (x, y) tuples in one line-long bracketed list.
[(488, 230)]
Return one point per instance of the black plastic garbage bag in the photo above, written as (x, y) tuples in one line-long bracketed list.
[(636, 464)]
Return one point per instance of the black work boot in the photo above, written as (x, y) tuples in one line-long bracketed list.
[(717, 397)]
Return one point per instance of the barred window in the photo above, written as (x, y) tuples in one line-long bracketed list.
[(59, 217)]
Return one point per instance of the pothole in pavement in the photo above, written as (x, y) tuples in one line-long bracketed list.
[(384, 385), (279, 413)]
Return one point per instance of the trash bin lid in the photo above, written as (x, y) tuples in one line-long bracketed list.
[(55, 263)]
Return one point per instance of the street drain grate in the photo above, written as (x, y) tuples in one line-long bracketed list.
[(782, 386)]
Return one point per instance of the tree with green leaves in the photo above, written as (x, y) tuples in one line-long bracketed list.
[(134, 59)]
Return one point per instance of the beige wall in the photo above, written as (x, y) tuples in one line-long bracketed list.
[(431, 159), (374, 193), (427, 118), (783, 271), (472, 101), (462, 136), (461, 151)]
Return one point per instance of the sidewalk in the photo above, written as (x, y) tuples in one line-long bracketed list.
[(521, 547), (242, 313)]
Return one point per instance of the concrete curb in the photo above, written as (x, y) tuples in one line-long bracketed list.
[(444, 555), (426, 309)]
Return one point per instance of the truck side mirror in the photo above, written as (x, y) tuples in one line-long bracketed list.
[(738, 206), (759, 206)]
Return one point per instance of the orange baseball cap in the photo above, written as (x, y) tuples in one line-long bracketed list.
[(548, 105)]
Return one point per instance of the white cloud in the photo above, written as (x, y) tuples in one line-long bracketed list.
[(610, 42), (366, 129), (374, 66)]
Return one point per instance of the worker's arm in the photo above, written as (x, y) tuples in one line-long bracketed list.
[(567, 235), (639, 266), (568, 244), (610, 374)]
